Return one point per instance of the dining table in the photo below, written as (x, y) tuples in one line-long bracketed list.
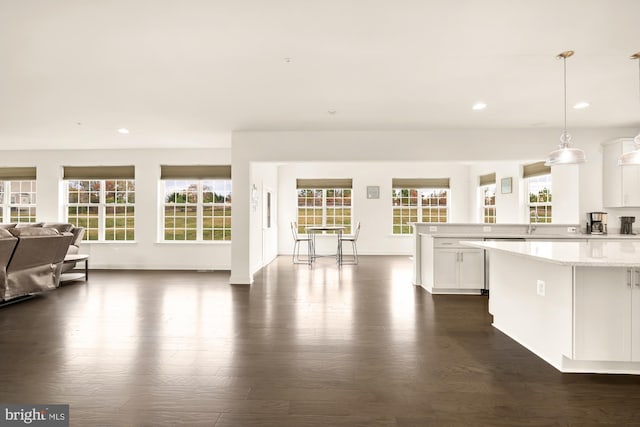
[(336, 230)]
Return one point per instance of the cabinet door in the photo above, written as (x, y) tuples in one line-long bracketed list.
[(471, 269), (630, 186), (611, 175), (602, 324), (635, 318), (620, 185), (445, 268)]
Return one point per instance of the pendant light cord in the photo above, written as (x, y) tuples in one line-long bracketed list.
[(636, 140), (564, 61)]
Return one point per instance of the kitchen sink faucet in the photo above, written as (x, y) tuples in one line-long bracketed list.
[(532, 225)]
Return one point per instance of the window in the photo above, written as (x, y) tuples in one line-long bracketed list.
[(18, 194), (324, 202), (537, 178), (197, 203), (105, 207), (488, 203), (540, 198), (488, 198), (419, 200), (197, 210)]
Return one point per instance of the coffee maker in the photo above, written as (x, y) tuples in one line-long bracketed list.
[(626, 226), (597, 223)]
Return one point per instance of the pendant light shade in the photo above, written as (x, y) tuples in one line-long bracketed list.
[(565, 154), (633, 157)]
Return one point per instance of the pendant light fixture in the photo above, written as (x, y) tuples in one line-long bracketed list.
[(565, 154), (632, 157)]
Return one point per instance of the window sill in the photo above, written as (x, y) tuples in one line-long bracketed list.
[(193, 242), (108, 242)]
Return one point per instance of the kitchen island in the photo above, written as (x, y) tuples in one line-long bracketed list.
[(574, 304), (442, 266)]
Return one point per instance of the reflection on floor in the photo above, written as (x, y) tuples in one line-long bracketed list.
[(357, 345)]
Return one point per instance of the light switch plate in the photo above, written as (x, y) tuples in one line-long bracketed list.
[(540, 285), (433, 228), (486, 228)]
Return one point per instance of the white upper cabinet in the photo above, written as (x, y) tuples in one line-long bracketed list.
[(621, 185)]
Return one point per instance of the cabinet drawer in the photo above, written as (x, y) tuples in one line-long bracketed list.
[(450, 242)]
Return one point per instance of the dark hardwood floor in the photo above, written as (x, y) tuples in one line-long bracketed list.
[(356, 346)]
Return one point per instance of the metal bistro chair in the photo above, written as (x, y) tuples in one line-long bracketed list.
[(352, 238), (296, 246)]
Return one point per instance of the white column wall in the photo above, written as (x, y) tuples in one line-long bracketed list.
[(264, 240)]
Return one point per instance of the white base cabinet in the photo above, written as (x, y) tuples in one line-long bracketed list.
[(449, 266), (607, 314)]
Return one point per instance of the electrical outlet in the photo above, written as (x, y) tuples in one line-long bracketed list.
[(433, 228), (540, 285), (486, 228), (571, 229)]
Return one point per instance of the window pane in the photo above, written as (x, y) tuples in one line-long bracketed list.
[(216, 213), (418, 205), (22, 200), (488, 204)]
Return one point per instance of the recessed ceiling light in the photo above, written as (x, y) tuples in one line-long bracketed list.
[(288, 60), (479, 106), (581, 105), (124, 131), (332, 112)]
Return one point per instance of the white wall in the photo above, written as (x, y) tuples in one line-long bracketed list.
[(565, 184), (397, 146), (375, 215), (360, 150), (511, 207), (146, 252)]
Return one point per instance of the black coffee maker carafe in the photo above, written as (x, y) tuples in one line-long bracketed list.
[(626, 226), (596, 223)]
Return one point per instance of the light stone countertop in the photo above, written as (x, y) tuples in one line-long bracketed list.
[(534, 236), (601, 253)]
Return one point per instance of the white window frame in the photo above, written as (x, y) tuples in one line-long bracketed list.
[(200, 205), (7, 205), (484, 207), (419, 206), (102, 206), (539, 181)]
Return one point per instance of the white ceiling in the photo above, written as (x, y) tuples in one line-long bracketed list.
[(187, 73)]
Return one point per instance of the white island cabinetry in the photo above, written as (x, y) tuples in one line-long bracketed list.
[(607, 305), (574, 304)]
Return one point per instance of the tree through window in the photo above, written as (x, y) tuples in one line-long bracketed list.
[(540, 199)]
